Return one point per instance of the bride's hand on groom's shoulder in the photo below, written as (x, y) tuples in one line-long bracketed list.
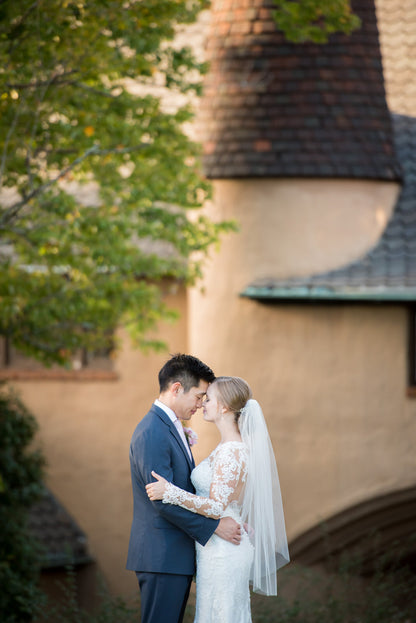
[(155, 490)]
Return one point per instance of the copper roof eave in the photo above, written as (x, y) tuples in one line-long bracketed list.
[(322, 294)]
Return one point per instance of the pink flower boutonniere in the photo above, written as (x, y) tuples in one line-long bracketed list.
[(190, 435)]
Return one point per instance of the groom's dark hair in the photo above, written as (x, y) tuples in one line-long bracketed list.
[(186, 369)]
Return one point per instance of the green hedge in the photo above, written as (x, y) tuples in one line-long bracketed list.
[(21, 471)]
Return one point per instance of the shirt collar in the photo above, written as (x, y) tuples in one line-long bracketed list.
[(169, 412)]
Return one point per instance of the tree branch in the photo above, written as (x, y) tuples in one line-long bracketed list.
[(6, 142), (93, 90), (13, 210), (18, 24), (56, 79)]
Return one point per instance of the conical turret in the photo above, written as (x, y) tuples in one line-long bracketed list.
[(277, 109)]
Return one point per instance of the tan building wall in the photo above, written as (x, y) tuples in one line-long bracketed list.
[(85, 431), (296, 227), (396, 19), (332, 383), (331, 379)]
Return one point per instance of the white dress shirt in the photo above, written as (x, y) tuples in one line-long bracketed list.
[(178, 424)]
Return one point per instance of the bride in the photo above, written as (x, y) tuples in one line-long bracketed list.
[(238, 479)]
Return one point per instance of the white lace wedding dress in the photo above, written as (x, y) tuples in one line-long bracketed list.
[(222, 579)]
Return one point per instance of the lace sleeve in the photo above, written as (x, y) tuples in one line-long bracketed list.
[(228, 476)]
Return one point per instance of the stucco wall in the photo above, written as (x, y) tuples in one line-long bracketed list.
[(293, 227), (85, 431), (332, 383), (331, 379)]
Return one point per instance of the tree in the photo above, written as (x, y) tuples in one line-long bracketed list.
[(314, 20), (20, 485), (70, 272)]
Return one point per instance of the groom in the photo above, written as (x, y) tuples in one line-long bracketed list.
[(162, 548)]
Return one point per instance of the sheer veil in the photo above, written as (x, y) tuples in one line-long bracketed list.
[(262, 507)]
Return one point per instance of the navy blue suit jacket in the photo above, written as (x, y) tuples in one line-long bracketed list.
[(162, 535)]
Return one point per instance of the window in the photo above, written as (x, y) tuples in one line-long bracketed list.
[(86, 365), (412, 351)]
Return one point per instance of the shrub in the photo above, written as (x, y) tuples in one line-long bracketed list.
[(21, 470)]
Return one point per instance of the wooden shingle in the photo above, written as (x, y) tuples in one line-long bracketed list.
[(276, 109)]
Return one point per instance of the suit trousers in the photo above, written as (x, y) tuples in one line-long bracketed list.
[(163, 596)]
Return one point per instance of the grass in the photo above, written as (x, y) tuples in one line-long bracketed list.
[(316, 595), (306, 595)]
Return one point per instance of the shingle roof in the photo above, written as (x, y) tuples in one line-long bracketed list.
[(62, 540), (277, 109), (388, 271)]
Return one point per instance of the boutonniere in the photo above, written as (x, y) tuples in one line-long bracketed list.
[(190, 435)]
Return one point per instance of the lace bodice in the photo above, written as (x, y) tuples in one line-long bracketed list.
[(218, 480)]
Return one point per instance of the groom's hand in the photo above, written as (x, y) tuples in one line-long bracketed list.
[(229, 530)]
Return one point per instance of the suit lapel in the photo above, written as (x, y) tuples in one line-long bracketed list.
[(178, 438), (172, 428)]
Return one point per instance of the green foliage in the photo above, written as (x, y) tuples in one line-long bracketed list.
[(305, 595), (313, 595), (20, 486), (314, 20), (110, 609), (76, 104)]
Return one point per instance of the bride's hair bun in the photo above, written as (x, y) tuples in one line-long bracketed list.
[(233, 392)]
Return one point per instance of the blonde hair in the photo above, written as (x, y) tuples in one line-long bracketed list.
[(233, 392)]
